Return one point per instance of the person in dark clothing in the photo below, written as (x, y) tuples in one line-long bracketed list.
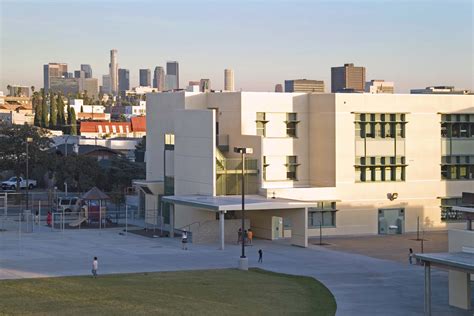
[(260, 256)]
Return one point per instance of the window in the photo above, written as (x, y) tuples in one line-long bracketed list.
[(457, 125), (380, 168), (447, 212), (291, 122), (291, 167), (265, 165), (323, 215), (384, 125), (261, 124), (458, 167)]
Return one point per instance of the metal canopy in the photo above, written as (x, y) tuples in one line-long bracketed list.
[(234, 202), (451, 260)]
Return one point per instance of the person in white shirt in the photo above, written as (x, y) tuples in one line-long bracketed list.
[(95, 267), (184, 240)]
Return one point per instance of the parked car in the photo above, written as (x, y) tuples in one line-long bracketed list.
[(12, 183), (68, 204)]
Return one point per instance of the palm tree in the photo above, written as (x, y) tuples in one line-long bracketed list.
[(9, 87), (32, 89)]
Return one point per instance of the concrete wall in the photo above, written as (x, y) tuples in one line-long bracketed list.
[(459, 282), (209, 231)]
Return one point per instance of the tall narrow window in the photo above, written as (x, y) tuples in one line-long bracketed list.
[(291, 123), (291, 167), (261, 124), (265, 165)]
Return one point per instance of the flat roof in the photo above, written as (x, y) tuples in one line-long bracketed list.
[(457, 260), (234, 202), (465, 209)]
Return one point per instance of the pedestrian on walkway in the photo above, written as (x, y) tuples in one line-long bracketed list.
[(239, 236), (37, 218), (49, 218), (184, 240), (249, 236), (410, 256), (95, 267), (260, 256)]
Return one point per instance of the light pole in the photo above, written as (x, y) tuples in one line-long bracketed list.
[(28, 140), (243, 262)]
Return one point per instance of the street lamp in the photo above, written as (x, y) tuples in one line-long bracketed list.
[(28, 140), (243, 262)]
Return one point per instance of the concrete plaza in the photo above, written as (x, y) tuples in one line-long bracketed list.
[(361, 285)]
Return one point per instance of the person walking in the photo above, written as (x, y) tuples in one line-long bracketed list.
[(95, 267), (249, 236), (37, 218), (410, 256), (184, 240), (49, 218), (260, 256)]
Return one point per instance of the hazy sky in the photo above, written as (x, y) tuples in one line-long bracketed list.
[(413, 43)]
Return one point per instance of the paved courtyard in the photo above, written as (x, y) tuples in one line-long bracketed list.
[(362, 285)]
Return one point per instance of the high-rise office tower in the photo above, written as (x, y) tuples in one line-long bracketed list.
[(53, 70), (278, 87), (205, 85), (172, 69), (79, 74), (106, 85), (229, 80), (123, 80), (113, 71), (347, 78), (87, 70), (145, 78), (159, 78), (304, 85)]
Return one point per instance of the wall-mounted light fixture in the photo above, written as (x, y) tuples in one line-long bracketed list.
[(392, 196)]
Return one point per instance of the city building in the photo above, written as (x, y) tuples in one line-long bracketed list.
[(113, 72), (170, 82), (278, 87), (65, 86), (106, 84), (79, 74), (159, 78), (88, 112), (16, 110), (124, 80), (344, 163), (172, 69), (348, 77), (193, 88), (229, 80), (89, 85), (87, 70), (440, 90), (53, 70), (136, 128), (304, 85), (145, 78), (205, 85), (379, 86), (18, 91)]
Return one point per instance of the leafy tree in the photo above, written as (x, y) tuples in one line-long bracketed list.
[(80, 173), (44, 110), (13, 148), (61, 120), (73, 121), (36, 103), (53, 111), (32, 89)]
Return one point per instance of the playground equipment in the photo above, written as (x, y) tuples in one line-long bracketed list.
[(94, 208)]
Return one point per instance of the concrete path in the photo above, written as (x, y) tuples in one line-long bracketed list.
[(361, 285)]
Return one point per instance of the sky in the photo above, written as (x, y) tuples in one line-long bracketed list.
[(415, 43)]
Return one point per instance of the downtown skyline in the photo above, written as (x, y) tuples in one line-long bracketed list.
[(396, 41)]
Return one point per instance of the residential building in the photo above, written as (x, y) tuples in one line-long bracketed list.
[(172, 69), (145, 78), (113, 72), (53, 70), (88, 112), (87, 70), (90, 150), (18, 91), (205, 85), (16, 110), (136, 128), (440, 90), (124, 80), (159, 78), (344, 163), (106, 84), (348, 77), (379, 86), (278, 87), (304, 85), (229, 80)]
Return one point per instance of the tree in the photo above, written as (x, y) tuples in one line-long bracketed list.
[(44, 110), (9, 87), (13, 148), (73, 121), (53, 111), (32, 89), (36, 103), (80, 172), (61, 120)]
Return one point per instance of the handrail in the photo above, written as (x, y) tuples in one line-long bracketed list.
[(189, 226)]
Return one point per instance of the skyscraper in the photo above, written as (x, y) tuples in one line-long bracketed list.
[(172, 69), (159, 78), (145, 77), (113, 71), (347, 77), (87, 70), (304, 85), (53, 70), (106, 86), (123, 80), (229, 80), (79, 74), (205, 85)]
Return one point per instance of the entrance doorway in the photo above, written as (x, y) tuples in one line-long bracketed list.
[(277, 227), (391, 221)]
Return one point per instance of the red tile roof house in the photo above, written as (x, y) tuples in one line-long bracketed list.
[(136, 128)]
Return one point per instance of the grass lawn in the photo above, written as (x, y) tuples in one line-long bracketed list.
[(208, 292)]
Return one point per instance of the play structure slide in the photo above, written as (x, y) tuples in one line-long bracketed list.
[(78, 222)]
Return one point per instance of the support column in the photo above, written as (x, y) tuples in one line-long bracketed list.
[(221, 226), (427, 289), (299, 227), (172, 220), (460, 289)]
